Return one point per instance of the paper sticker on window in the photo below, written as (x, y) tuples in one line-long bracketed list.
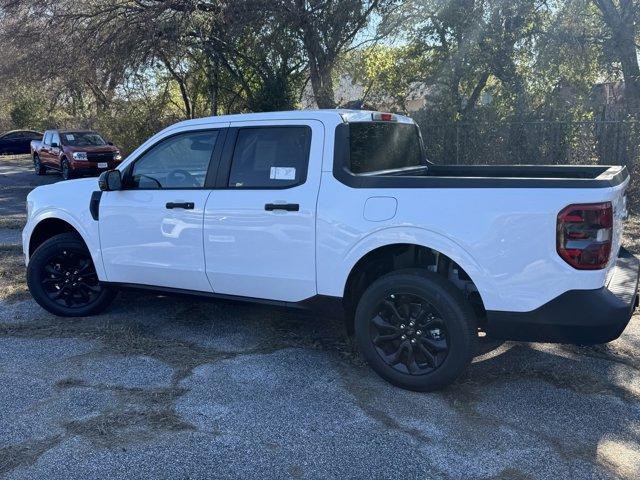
[(283, 173), (70, 137)]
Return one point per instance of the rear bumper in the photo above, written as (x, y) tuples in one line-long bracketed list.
[(576, 316)]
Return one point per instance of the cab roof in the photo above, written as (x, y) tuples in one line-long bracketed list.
[(325, 115)]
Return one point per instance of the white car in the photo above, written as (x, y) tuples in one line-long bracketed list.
[(341, 210)]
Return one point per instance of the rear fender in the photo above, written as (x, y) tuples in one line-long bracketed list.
[(415, 236)]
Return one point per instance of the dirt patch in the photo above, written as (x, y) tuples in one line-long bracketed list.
[(123, 338), (14, 222), (138, 415), (534, 364), (142, 414), (365, 399), (12, 274), (511, 474), (25, 453)]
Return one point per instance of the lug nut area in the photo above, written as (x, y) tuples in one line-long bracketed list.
[(409, 333)]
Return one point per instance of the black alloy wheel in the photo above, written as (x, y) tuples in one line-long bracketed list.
[(37, 165), (415, 329), (62, 278), (409, 334), (66, 169), (70, 279)]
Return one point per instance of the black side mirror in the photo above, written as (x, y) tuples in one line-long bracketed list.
[(110, 180), (110, 143), (55, 145)]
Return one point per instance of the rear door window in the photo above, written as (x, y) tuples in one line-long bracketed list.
[(375, 146), (270, 157)]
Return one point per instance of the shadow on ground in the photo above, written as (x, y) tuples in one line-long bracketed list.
[(244, 388)]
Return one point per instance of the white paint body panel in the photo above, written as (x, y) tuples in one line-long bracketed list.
[(68, 201), (252, 252), (504, 238), (145, 243)]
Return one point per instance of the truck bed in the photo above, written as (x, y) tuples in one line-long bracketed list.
[(490, 176)]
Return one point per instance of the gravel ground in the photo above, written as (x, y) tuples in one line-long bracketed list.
[(162, 387)]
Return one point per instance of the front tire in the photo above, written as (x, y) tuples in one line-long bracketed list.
[(63, 280), (66, 169), (37, 166), (415, 330)]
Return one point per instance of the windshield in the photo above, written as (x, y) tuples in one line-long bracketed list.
[(378, 146), (82, 139)]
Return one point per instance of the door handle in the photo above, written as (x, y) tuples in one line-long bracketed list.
[(289, 207), (185, 205)]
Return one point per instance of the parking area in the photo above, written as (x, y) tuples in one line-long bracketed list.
[(166, 387)]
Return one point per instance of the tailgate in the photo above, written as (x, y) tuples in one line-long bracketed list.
[(620, 214)]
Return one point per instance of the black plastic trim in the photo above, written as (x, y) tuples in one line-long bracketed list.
[(576, 316), (324, 304), (183, 205), (288, 207), (94, 204), (474, 176)]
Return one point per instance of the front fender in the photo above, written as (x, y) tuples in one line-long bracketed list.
[(83, 223), (416, 236)]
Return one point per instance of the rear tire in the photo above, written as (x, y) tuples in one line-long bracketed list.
[(62, 278), (37, 166), (415, 330)]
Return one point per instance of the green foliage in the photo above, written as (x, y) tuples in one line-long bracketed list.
[(387, 73), (467, 61), (28, 111)]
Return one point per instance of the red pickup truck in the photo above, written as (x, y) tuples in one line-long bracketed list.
[(73, 153)]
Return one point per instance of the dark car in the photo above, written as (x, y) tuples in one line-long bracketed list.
[(74, 153), (17, 141)]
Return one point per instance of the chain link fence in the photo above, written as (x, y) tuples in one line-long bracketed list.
[(541, 143)]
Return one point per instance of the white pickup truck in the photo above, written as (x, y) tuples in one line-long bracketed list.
[(341, 211)]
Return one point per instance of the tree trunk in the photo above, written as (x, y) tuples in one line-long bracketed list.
[(472, 101), (621, 22), (186, 99), (213, 66), (626, 49), (322, 84), (182, 84)]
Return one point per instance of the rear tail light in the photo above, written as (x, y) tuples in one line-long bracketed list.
[(584, 234)]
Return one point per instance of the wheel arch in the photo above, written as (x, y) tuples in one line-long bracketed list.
[(389, 250), (48, 228)]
